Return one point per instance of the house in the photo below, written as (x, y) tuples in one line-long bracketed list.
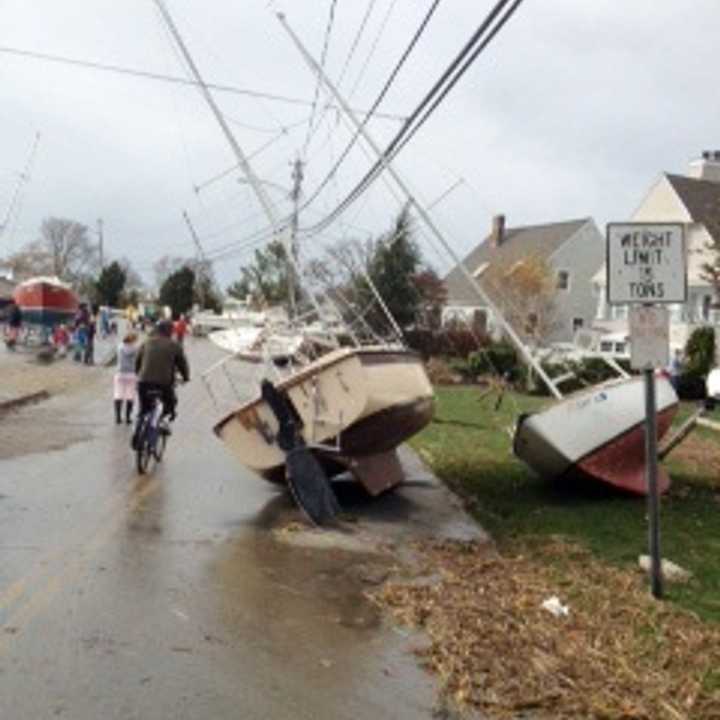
[(570, 250), (694, 201)]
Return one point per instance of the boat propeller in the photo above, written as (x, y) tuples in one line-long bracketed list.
[(307, 480)]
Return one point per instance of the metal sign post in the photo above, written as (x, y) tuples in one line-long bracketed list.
[(645, 266), (650, 330)]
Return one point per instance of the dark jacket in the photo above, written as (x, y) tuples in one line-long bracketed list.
[(158, 359), (15, 320)]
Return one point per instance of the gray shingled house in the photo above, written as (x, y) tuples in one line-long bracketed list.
[(572, 250)]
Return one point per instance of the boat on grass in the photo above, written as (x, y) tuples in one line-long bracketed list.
[(597, 433)]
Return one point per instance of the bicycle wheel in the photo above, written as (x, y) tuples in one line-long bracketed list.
[(144, 452), (160, 444)]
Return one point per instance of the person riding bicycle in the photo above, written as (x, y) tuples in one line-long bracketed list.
[(158, 359)]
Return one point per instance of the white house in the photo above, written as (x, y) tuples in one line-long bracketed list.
[(694, 201)]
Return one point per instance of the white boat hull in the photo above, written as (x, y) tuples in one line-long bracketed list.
[(366, 401), (598, 432)]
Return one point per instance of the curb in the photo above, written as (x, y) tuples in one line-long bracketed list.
[(24, 400)]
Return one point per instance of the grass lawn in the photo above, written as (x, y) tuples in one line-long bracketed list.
[(469, 446)]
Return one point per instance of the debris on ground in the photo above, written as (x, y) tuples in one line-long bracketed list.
[(554, 606), (670, 571), (618, 654)]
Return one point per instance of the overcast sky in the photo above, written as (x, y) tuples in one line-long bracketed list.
[(573, 111)]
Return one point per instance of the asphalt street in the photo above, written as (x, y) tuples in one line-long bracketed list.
[(193, 592)]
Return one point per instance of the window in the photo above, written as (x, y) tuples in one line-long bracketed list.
[(606, 346), (577, 324), (563, 280)]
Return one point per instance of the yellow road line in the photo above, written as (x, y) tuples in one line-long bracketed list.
[(36, 601)]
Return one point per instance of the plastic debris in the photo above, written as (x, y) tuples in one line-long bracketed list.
[(670, 571), (554, 606)]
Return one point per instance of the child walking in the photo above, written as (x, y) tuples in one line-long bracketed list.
[(125, 381)]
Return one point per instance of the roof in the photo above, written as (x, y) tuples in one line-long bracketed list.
[(538, 240), (702, 200)]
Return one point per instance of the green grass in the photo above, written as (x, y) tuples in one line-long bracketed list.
[(469, 446)]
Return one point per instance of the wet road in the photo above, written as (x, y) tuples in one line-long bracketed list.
[(171, 596)]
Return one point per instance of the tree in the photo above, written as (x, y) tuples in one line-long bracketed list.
[(165, 266), (433, 295), (63, 249), (525, 292), (110, 284), (178, 291), (207, 295), (266, 278), (393, 268)]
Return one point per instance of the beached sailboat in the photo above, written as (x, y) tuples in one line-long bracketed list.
[(45, 301), (355, 406), (597, 433), (349, 409), (573, 433)]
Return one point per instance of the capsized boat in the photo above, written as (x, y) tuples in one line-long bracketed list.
[(46, 301), (597, 433), (356, 405)]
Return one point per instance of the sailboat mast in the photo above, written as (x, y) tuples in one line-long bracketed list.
[(24, 177), (282, 233), (360, 127), (255, 183)]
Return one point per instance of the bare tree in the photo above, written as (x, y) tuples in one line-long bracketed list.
[(133, 281), (167, 265), (63, 249)]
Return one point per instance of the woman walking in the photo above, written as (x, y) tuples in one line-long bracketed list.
[(125, 381)]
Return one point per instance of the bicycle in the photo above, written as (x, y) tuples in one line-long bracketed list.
[(152, 433)]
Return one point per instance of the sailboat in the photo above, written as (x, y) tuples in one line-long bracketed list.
[(46, 301), (348, 409), (597, 432)]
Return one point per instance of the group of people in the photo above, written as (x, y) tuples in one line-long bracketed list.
[(151, 366)]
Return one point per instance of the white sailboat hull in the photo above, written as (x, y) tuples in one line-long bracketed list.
[(364, 400), (598, 433)]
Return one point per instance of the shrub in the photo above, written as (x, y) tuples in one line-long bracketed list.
[(700, 351), (445, 342)]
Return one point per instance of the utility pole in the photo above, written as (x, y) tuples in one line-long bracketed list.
[(201, 255), (293, 284), (100, 243), (385, 162)]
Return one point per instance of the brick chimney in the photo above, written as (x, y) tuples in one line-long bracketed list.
[(497, 233), (706, 167)]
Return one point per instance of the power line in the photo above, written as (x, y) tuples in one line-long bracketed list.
[(388, 84), (457, 68), (161, 77)]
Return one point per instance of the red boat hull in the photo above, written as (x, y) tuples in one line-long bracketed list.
[(45, 303), (621, 462)]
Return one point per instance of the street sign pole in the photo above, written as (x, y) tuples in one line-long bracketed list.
[(646, 269), (651, 472)]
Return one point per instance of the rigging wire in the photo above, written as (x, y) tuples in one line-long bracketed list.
[(458, 67), (373, 49), (388, 84), (161, 77), (356, 40), (323, 58)]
